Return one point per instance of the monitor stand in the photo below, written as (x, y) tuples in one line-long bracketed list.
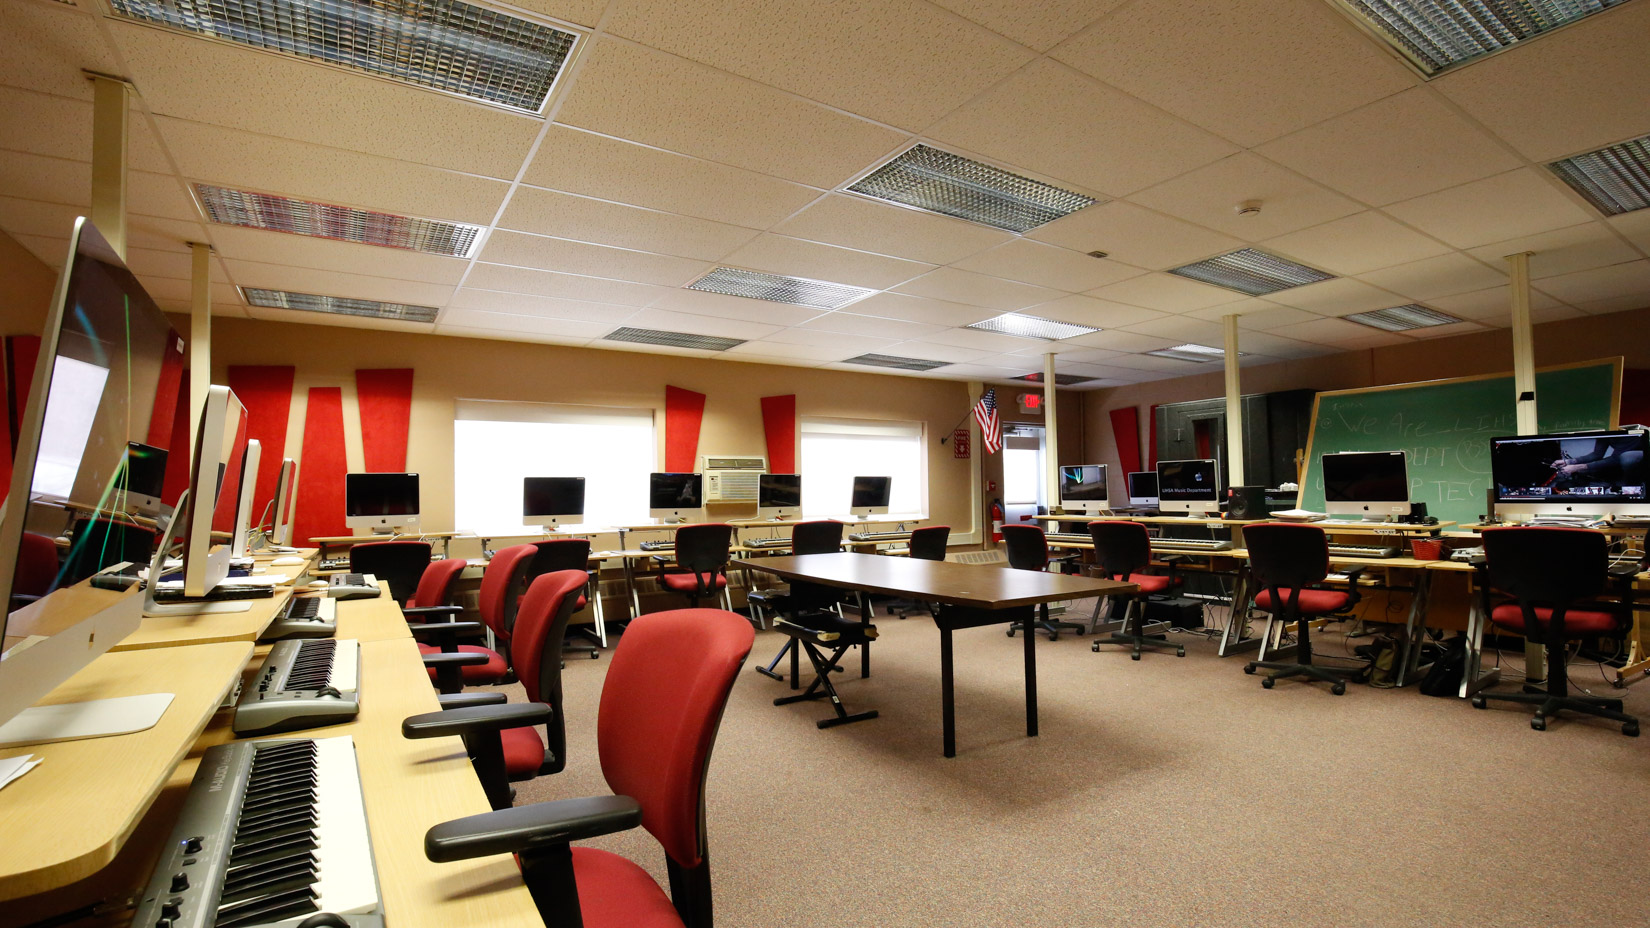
[(155, 609), (95, 718)]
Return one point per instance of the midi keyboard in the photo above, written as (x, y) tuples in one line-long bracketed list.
[(302, 684)]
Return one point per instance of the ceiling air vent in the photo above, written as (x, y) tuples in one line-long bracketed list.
[(342, 223), (1252, 272), (797, 291), (672, 339), (940, 182), (1031, 327), (1439, 34), (1402, 318), (894, 361), (1060, 380), (1614, 179), (1198, 353), (339, 305), (445, 45)]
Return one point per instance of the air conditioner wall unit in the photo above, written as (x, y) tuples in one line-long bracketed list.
[(731, 478)]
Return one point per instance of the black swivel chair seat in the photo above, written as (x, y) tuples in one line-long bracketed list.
[(927, 544), (1028, 550), (398, 563), (1121, 550), (1286, 561)]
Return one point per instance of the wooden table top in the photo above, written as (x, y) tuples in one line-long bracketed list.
[(171, 631), (983, 586)]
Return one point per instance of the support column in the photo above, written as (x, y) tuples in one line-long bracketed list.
[(200, 336), (1234, 406), (1535, 668), (980, 525), (110, 115), (1051, 436)]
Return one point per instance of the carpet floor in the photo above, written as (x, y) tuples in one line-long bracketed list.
[(1168, 792)]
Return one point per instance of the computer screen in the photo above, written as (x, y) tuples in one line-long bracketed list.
[(547, 499), (1187, 480), (779, 491), (872, 493), (1143, 488), (1083, 482), (285, 503), (380, 500), (1366, 482), (144, 478), (1602, 471), (675, 491)]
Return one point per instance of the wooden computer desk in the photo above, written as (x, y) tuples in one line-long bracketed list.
[(170, 631), (327, 542), (970, 595)]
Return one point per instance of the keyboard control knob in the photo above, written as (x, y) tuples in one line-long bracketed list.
[(170, 911), (180, 882), (193, 845)]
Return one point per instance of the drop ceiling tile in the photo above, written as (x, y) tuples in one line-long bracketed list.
[(1631, 279), (1490, 305), (1604, 307), (1363, 242), (1445, 331), (554, 254), (931, 351), (514, 325), (1634, 225), (1556, 314), (1034, 262), (1040, 25), (562, 215), (20, 217), (769, 353), (244, 160), (1171, 366), (848, 323), (1183, 329), (1250, 70), (1510, 205), (462, 331), (1211, 196), (700, 325), (1120, 340), (49, 249), (921, 309), (574, 12), (1052, 120), (1277, 346), (958, 286), (520, 304), (631, 348), (826, 344), (1089, 356), (1167, 293), (793, 257), (1087, 310), (169, 292), (1337, 297), (1339, 333), (334, 283), (647, 96), (47, 46), (857, 222), (1563, 251), (982, 340), (734, 307), (188, 77), (59, 127), (328, 255), (48, 180), (176, 263), (1256, 315), (566, 286), (1580, 88), (160, 232), (1135, 235), (159, 195), (1431, 278), (1394, 149), (843, 55), (576, 161)]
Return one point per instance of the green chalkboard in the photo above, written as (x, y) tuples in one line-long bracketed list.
[(1446, 427)]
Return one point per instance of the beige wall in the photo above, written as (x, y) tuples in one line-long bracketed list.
[(25, 289), (1490, 352)]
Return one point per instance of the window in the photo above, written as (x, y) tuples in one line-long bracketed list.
[(834, 451), (496, 444)]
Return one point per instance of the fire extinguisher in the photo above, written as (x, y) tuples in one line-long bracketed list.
[(996, 521)]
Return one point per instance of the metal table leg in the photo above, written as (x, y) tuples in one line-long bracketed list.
[(1231, 638), (1471, 680), (1415, 628)]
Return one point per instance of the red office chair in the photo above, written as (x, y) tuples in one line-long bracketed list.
[(1554, 576), (1028, 550), (1285, 561), (1121, 549), (400, 564), (574, 554), (503, 741), (661, 705), (701, 563), (927, 544), (500, 594)]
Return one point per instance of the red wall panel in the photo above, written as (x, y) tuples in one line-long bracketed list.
[(321, 481), (177, 454), (1635, 396), (166, 397), (684, 413), (1151, 452), (223, 517), (21, 352), (779, 425), (266, 392), (386, 404), (1125, 432)]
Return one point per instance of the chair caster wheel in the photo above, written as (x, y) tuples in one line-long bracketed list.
[(1135, 656), (1054, 637), (1539, 724), (1268, 683), (1095, 647), (594, 655), (1248, 668), (1630, 729), (1011, 633), (1479, 702), (1338, 689), (1180, 652)]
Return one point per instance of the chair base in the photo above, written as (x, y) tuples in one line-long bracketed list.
[(1548, 706), (1137, 642), (822, 688), (1286, 669), (1048, 627)]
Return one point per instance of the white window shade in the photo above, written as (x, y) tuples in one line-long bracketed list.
[(497, 444), (835, 451)]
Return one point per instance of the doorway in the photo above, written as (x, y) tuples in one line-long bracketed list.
[(1023, 471)]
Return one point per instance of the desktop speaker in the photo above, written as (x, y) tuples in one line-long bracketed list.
[(1246, 502)]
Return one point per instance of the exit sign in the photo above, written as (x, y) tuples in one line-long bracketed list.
[(1031, 402)]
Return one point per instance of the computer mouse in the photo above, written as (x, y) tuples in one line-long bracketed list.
[(318, 584), (287, 561)]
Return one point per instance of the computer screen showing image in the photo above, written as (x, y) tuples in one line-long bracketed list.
[(1583, 472), (1083, 488), (1188, 486), (674, 497)]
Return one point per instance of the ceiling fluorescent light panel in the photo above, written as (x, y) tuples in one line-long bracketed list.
[(1403, 318), (338, 305), (1198, 353), (1616, 180), (1250, 271), (1439, 34), (896, 362), (672, 339), (795, 291), (341, 223), (939, 182), (1031, 327)]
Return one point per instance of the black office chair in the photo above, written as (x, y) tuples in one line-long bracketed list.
[(1554, 576), (927, 544), (1121, 549), (1028, 550), (1286, 561), (573, 554), (398, 563), (701, 562), (819, 536), (814, 624)]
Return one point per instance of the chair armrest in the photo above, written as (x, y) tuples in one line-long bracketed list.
[(472, 719), (429, 611), (466, 700), (523, 829), (1624, 571), (454, 659), (444, 634)]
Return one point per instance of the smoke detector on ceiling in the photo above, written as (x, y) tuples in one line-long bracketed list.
[(1248, 208)]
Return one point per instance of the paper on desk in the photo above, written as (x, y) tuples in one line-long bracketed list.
[(265, 580), (13, 767)]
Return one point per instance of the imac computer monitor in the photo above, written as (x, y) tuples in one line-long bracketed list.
[(1188, 486), (99, 318), (247, 487), (285, 503), (1366, 483), (1083, 488), (675, 497), (1578, 473), (778, 496), (211, 484), (551, 500), (1143, 489), (870, 496), (382, 502), (143, 479)]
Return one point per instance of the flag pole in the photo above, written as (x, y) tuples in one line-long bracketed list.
[(951, 431)]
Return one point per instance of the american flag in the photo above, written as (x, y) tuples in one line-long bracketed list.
[(991, 428)]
